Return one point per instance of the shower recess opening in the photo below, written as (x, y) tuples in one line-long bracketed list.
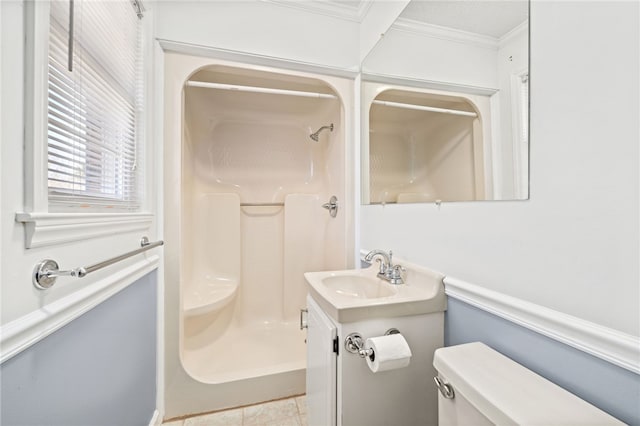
[(261, 153)]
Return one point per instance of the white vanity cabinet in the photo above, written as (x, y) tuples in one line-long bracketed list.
[(341, 389), (406, 396), (322, 346)]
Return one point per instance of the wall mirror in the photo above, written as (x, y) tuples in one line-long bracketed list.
[(445, 104)]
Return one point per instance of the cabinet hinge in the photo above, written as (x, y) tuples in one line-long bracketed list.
[(335, 345)]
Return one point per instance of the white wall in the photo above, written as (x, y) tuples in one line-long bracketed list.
[(410, 53), (28, 315), (376, 22), (574, 246), (261, 28), (19, 297), (3, 48), (11, 131)]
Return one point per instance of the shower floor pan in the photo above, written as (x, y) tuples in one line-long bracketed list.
[(248, 351)]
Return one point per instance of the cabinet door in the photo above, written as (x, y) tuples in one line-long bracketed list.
[(321, 367)]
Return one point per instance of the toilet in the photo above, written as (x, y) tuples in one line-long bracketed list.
[(479, 386)]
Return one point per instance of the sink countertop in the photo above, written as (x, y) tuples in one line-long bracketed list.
[(422, 293)]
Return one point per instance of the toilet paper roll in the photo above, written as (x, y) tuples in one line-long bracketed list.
[(389, 352)]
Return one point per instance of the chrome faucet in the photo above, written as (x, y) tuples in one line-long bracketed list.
[(388, 271)]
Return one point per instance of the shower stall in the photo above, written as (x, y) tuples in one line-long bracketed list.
[(425, 145), (253, 158)]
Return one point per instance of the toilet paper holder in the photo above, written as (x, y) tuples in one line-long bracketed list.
[(354, 343)]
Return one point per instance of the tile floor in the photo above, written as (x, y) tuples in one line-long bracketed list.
[(284, 412)]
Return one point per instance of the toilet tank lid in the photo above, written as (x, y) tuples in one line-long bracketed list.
[(508, 393)]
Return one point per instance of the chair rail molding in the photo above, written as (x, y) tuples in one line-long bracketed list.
[(618, 348), (25, 331)]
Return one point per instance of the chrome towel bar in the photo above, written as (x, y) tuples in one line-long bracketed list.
[(46, 272)]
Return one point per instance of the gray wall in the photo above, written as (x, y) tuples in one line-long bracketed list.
[(100, 369), (608, 387)]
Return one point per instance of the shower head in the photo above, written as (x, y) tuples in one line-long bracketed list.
[(315, 135)]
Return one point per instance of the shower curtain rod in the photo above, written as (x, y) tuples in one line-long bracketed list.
[(222, 86), (426, 108)]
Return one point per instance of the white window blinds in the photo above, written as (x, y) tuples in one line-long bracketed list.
[(93, 110)]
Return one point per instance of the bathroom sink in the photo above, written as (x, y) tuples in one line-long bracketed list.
[(357, 286), (358, 294)]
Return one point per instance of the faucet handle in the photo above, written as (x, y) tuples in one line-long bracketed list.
[(397, 269), (395, 274)]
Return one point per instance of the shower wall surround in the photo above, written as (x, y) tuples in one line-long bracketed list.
[(251, 182), (424, 146)]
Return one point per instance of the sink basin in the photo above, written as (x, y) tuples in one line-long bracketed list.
[(357, 286), (358, 294)]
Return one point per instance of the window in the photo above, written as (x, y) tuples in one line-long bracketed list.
[(83, 139), (94, 98)]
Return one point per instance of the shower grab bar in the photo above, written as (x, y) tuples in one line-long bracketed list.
[(46, 272), (222, 86), (426, 108), (261, 204)]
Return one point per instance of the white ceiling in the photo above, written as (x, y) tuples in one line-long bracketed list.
[(493, 18)]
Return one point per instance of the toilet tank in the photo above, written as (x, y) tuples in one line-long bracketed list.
[(489, 388)]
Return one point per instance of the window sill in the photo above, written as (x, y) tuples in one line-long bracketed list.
[(45, 229)]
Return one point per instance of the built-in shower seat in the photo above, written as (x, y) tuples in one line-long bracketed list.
[(208, 296)]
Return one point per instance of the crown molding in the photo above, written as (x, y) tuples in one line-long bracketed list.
[(328, 8), (514, 33), (443, 33)]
